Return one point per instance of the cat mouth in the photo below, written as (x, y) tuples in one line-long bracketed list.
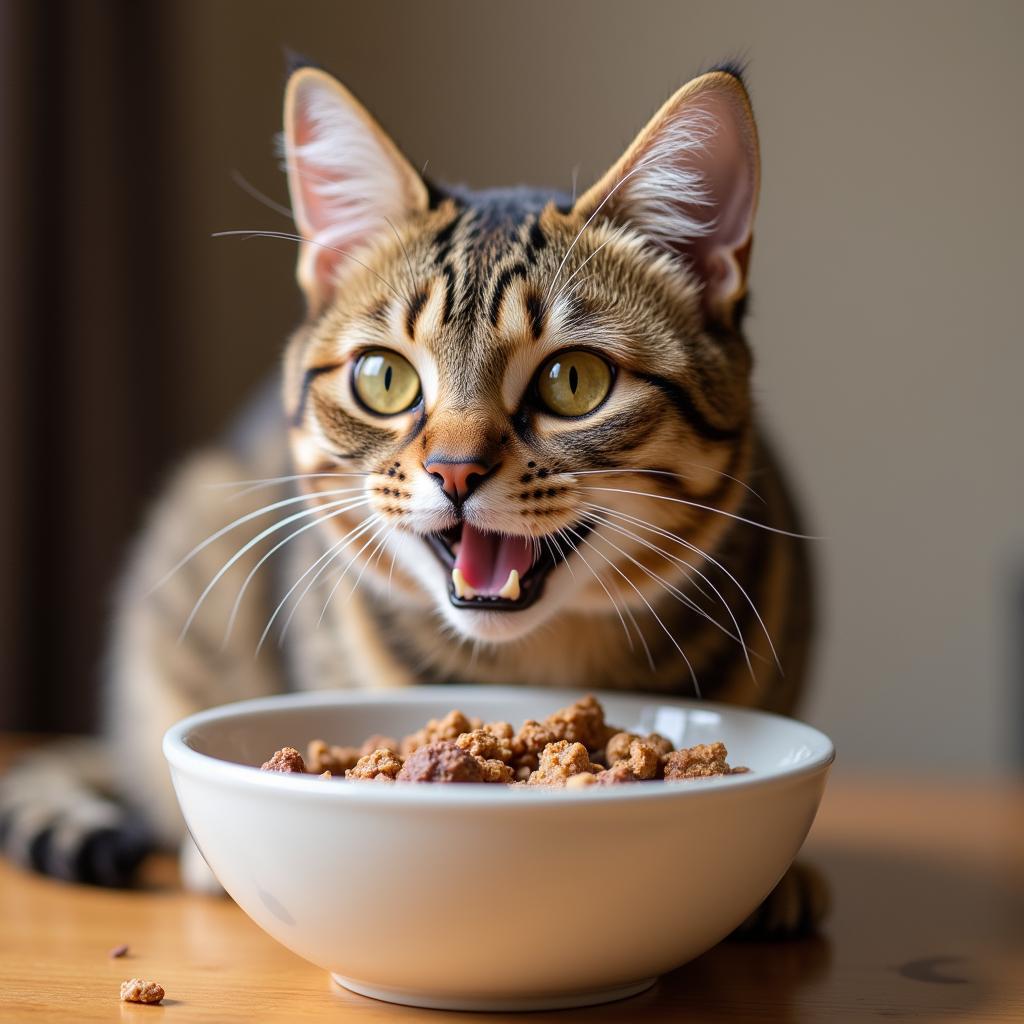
[(494, 571)]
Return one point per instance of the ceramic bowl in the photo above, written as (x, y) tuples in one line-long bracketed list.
[(492, 897)]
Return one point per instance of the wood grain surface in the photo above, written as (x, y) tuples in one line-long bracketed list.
[(928, 924)]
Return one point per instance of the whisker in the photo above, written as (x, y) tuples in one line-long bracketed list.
[(248, 233), (391, 571), (350, 504), (657, 617), (566, 282), (408, 261), (261, 197), (687, 567), (327, 555), (670, 587), (597, 576), (351, 562), (681, 562), (551, 543), (709, 558), (737, 636), (255, 485), (622, 181), (706, 508), (678, 476), (238, 522), (640, 633), (248, 546), (375, 555)]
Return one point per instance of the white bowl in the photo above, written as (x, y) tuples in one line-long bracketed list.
[(492, 897)]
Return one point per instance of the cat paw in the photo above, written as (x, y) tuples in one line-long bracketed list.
[(795, 908), (196, 875)]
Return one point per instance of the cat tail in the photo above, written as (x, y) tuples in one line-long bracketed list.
[(58, 817)]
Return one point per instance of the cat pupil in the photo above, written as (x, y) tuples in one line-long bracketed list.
[(574, 379), (387, 379)]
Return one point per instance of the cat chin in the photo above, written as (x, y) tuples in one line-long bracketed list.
[(494, 627)]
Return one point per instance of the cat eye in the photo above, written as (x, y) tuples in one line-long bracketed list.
[(574, 383), (385, 382)]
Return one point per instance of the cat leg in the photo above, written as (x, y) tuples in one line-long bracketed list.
[(796, 907), (156, 675)]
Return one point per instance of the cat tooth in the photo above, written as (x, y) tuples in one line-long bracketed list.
[(462, 588), (511, 588)]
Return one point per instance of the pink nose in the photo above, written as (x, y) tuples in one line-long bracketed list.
[(457, 479)]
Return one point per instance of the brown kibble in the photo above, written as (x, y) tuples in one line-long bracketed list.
[(320, 757), (559, 761), (503, 730), (644, 761), (287, 759), (661, 744), (441, 761), (581, 722), (699, 762), (139, 991), (453, 725), (118, 951), (495, 770), (483, 743), (617, 748), (376, 766), (531, 739), (580, 781), (618, 774)]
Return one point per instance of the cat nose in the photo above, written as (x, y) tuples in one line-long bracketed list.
[(457, 479)]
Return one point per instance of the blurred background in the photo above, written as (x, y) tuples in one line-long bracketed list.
[(885, 294)]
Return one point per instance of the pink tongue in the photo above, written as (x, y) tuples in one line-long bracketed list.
[(486, 559)]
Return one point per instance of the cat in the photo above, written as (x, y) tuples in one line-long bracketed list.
[(512, 442)]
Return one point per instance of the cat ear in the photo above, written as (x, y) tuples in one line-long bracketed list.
[(689, 182), (346, 177)]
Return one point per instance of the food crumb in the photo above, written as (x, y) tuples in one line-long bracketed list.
[(559, 761), (139, 991), (441, 761), (699, 762), (118, 951), (379, 766), (321, 757), (287, 759), (580, 781)]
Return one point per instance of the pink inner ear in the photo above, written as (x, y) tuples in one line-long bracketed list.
[(331, 221), (728, 166), (347, 180)]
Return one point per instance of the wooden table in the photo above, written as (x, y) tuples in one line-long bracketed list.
[(928, 925)]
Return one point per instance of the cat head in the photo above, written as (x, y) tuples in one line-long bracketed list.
[(510, 404)]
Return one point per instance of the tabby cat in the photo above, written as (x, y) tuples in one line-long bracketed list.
[(513, 442)]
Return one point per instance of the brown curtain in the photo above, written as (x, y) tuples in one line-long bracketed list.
[(88, 312)]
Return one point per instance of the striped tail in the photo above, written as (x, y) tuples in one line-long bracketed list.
[(58, 816)]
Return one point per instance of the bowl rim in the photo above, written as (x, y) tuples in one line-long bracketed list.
[(185, 758)]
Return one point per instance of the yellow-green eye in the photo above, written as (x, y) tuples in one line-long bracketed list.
[(385, 382), (574, 383)]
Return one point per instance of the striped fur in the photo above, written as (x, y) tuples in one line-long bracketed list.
[(687, 577)]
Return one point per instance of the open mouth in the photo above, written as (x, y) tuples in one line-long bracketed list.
[(493, 571)]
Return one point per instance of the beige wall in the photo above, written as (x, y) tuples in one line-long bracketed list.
[(885, 309)]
